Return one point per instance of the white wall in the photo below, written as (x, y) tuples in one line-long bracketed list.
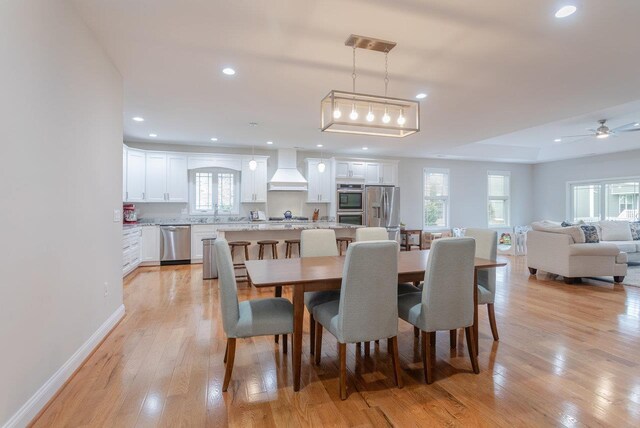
[(60, 179), (468, 191), (550, 179)]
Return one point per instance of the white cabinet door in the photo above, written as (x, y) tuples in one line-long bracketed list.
[(260, 181), (372, 173), (198, 233), (151, 244), (156, 177), (324, 186), (124, 173), (136, 161), (388, 171), (313, 181), (357, 170), (342, 169), (177, 178), (247, 186)]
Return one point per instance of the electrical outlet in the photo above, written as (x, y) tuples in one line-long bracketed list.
[(106, 289), (117, 216)]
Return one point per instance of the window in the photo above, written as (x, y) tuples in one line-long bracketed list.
[(436, 198), (214, 190), (499, 195), (604, 200)]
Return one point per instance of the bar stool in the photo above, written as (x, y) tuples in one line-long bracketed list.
[(289, 248), (268, 243), (241, 244), (344, 240)]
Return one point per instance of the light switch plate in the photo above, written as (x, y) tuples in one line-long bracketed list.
[(117, 216)]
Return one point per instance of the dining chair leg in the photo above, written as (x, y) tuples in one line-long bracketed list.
[(342, 351), (471, 347), (312, 334), (277, 293), (426, 357), (367, 349), (416, 332), (231, 345), (226, 351), (453, 339), (284, 343), (492, 321), (318, 347), (392, 347)]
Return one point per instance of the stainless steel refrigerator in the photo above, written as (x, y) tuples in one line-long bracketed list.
[(382, 209)]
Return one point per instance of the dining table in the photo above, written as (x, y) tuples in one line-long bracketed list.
[(325, 273)]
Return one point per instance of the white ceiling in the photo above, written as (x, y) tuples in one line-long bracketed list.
[(504, 77)]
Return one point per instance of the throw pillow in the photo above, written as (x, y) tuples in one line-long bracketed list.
[(566, 224), (635, 230), (590, 234), (615, 231)]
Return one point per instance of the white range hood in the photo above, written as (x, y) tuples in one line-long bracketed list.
[(287, 176)]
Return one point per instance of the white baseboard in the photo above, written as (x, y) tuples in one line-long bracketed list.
[(30, 409)]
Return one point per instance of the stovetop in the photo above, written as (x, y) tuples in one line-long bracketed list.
[(289, 220)]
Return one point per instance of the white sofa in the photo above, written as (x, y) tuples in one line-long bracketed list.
[(563, 251)]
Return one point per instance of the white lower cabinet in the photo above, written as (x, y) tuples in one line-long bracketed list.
[(131, 249), (151, 245), (198, 233)]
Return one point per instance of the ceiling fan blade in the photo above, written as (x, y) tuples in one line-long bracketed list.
[(592, 130), (578, 136), (629, 130), (624, 127)]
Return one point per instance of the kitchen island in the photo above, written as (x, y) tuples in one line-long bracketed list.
[(279, 231)]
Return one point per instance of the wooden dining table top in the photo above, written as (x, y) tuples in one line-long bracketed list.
[(273, 272)]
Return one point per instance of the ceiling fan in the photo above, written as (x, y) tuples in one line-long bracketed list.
[(603, 131)]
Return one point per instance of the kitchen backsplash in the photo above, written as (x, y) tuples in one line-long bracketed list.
[(278, 203)]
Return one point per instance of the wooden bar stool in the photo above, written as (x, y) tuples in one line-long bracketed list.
[(274, 255), (241, 244), (290, 246), (340, 241)]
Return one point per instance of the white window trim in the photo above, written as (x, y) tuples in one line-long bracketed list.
[(502, 198), (192, 193), (447, 198), (598, 181)]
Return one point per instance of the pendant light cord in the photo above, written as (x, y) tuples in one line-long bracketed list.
[(386, 71), (353, 73)]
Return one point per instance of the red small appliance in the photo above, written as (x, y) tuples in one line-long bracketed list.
[(129, 215)]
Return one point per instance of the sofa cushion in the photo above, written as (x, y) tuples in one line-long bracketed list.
[(616, 231), (593, 250), (635, 230), (626, 246), (546, 226), (590, 234), (622, 258)]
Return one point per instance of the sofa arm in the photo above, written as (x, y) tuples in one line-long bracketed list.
[(548, 251), (593, 250)]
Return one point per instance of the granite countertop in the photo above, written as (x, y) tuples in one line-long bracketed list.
[(194, 221), (279, 225)]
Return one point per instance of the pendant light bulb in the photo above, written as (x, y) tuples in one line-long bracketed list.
[(253, 164), (386, 118), (401, 119), (354, 113), (337, 113), (321, 166), (370, 115)]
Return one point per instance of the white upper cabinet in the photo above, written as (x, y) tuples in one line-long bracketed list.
[(389, 173), (136, 175), (156, 177), (253, 184), (177, 178), (319, 183), (350, 170), (381, 173), (372, 173)]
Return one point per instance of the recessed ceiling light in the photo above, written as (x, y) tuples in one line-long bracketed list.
[(269, 142), (318, 145), (421, 95), (565, 11), (214, 139), (138, 119), (557, 140), (365, 148), (229, 71), (153, 135)]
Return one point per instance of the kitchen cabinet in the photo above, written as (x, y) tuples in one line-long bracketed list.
[(177, 178), (131, 249), (350, 170), (318, 183), (380, 173), (253, 184), (150, 245), (198, 233), (136, 175), (156, 177)]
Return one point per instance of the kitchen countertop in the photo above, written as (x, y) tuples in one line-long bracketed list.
[(282, 225)]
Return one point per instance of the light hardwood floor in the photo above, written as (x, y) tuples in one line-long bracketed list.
[(568, 355)]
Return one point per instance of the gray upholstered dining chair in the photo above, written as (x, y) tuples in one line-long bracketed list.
[(486, 248), (257, 317), (367, 308), (446, 300), (317, 243)]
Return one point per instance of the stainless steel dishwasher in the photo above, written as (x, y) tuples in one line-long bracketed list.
[(175, 245)]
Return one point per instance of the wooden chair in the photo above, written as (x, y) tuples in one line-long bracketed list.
[(343, 240), (290, 244)]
